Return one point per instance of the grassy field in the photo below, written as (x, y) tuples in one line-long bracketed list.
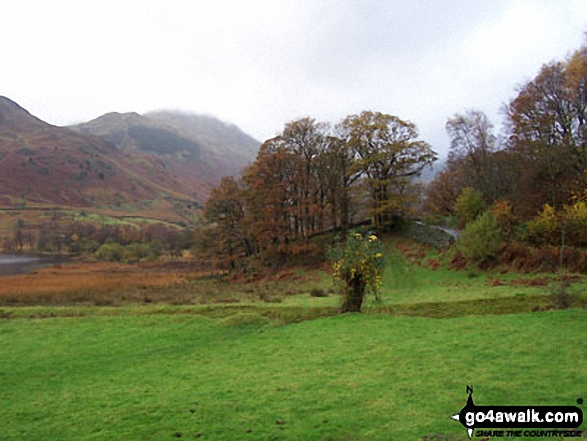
[(267, 361), (340, 378)]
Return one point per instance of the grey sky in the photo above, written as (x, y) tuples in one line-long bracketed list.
[(261, 63)]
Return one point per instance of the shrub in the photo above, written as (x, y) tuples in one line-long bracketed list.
[(111, 252), (503, 212), (575, 224), (544, 228), (469, 205), (561, 294), (136, 252), (548, 226), (481, 240), (318, 292), (87, 246), (143, 251)]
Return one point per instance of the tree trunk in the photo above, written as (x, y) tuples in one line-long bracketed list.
[(344, 211), (355, 292)]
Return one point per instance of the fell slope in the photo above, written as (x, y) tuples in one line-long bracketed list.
[(45, 165)]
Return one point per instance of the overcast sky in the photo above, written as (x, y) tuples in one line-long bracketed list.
[(261, 63)]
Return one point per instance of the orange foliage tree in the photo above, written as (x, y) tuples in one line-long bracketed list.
[(310, 179)]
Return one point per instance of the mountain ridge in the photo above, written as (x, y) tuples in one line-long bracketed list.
[(14, 116)]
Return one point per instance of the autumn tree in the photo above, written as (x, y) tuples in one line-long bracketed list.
[(338, 173), (547, 121), (270, 198), (471, 137), (224, 213), (297, 187), (441, 192), (472, 143), (307, 181), (475, 161), (389, 154), (304, 140), (543, 159)]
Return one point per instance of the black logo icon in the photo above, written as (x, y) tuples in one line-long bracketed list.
[(512, 417)]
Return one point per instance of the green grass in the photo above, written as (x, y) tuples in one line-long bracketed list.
[(406, 283), (102, 219), (342, 378), (267, 361)]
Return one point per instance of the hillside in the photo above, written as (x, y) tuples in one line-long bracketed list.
[(42, 165), (231, 144), (198, 150)]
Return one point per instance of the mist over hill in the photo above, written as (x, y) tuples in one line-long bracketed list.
[(133, 132), (197, 149), (225, 138)]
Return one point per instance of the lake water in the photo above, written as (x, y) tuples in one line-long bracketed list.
[(13, 264)]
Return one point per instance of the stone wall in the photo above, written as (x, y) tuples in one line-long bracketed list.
[(428, 234)]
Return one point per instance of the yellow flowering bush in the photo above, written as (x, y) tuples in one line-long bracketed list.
[(357, 269)]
